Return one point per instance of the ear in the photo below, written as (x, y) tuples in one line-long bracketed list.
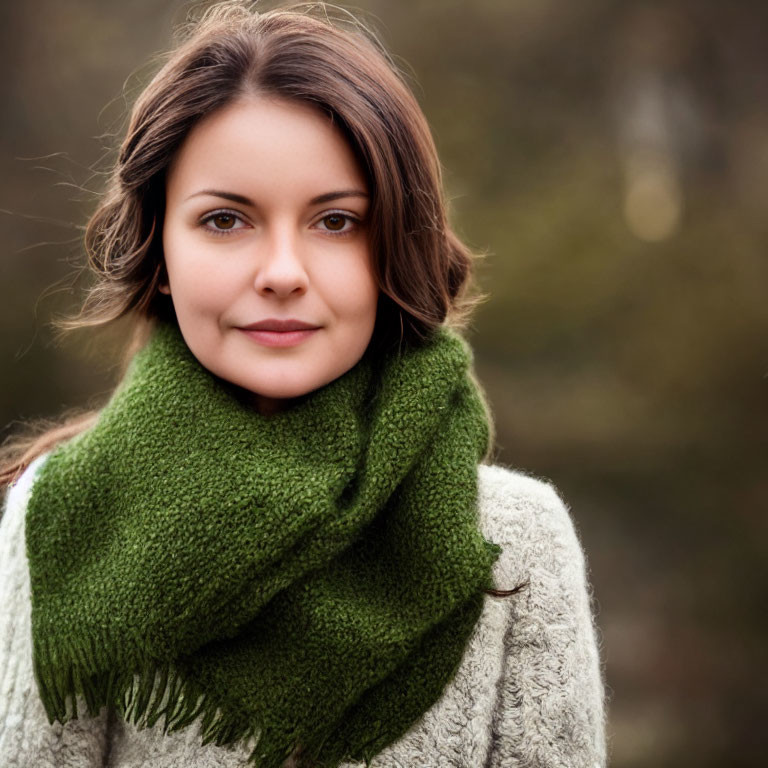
[(163, 283)]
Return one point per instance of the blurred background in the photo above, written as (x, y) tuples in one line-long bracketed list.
[(611, 158)]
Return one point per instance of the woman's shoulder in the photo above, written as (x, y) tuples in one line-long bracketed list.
[(12, 543), (17, 493), (514, 504), (539, 537)]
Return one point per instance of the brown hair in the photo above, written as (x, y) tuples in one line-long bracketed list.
[(298, 52)]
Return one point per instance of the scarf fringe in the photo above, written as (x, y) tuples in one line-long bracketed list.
[(144, 698), (156, 692)]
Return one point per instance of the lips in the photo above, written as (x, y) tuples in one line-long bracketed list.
[(279, 333), (280, 326)]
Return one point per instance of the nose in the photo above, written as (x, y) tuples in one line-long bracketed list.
[(280, 268)]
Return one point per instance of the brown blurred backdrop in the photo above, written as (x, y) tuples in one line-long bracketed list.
[(612, 157)]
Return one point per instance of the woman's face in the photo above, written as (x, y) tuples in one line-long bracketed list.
[(265, 223)]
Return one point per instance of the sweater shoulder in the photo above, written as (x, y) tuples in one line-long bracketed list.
[(517, 507), (540, 541), (16, 497)]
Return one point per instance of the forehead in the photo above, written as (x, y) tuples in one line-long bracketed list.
[(261, 141)]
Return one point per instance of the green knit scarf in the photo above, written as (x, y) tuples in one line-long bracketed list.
[(308, 579)]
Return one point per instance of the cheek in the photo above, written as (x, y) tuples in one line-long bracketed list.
[(197, 281), (205, 286), (354, 291)]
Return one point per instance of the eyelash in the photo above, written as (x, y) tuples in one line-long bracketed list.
[(225, 232)]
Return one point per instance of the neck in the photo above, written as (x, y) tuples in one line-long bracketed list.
[(267, 406)]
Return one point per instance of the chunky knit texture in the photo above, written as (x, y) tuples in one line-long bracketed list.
[(305, 579), (528, 692)]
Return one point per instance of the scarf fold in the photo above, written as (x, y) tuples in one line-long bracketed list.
[(307, 580)]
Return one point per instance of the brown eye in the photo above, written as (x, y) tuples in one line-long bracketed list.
[(224, 220), (335, 221)]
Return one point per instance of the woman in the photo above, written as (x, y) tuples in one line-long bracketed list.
[(281, 542)]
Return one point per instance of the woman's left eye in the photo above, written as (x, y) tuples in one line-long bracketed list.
[(335, 223)]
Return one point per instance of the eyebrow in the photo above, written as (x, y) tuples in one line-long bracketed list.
[(243, 200)]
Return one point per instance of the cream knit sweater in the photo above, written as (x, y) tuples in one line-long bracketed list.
[(529, 692)]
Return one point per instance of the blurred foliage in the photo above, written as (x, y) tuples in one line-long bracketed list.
[(611, 157)]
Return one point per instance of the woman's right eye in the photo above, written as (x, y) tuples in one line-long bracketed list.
[(222, 222)]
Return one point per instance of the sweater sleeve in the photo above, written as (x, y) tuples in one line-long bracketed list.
[(549, 711), (27, 739)]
